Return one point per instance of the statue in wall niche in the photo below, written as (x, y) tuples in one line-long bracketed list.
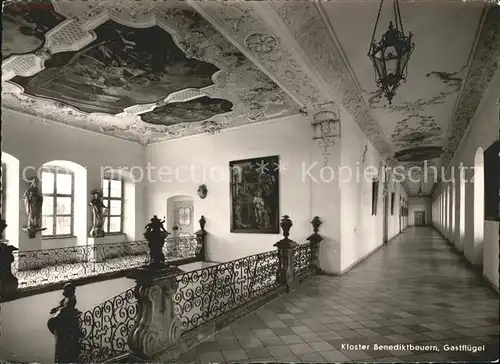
[(33, 201), (99, 214)]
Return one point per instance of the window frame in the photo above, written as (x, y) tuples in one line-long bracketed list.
[(107, 203), (55, 171)]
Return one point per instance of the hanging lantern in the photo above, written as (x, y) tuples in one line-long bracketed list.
[(390, 55), (420, 192)]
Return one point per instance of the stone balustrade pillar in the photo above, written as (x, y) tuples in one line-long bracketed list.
[(286, 248), (157, 327), (315, 239), (201, 238)]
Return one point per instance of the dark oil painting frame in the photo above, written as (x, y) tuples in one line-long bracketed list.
[(254, 195)]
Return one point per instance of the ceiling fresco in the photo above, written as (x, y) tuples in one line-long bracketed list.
[(145, 74), (199, 109), (122, 67), (24, 25)]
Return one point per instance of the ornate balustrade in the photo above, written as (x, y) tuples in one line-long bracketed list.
[(106, 327), (209, 292), (42, 267), (301, 260), (169, 310)]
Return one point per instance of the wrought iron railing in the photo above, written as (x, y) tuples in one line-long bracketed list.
[(43, 267), (302, 256), (209, 292), (209, 296), (201, 296), (106, 328)]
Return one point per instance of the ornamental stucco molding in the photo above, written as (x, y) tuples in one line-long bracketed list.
[(308, 27), (485, 62), (253, 95), (239, 21)]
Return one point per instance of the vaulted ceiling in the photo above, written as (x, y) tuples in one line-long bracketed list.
[(156, 70)]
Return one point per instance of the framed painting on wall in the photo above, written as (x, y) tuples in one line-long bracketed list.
[(254, 195)]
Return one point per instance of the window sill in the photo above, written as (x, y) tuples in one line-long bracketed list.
[(58, 237), (59, 242)]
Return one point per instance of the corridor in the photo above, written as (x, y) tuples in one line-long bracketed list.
[(415, 291)]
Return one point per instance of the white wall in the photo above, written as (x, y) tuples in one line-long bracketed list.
[(419, 204), (362, 232), (35, 143), (483, 131), (25, 336), (208, 157), (308, 187)]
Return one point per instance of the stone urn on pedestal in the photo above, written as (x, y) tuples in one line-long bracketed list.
[(156, 234)]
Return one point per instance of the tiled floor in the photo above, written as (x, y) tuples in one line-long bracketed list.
[(413, 291)]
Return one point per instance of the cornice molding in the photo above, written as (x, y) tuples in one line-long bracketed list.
[(485, 63), (23, 114)]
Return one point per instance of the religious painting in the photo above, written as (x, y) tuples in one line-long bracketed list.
[(374, 196), (122, 67), (254, 195)]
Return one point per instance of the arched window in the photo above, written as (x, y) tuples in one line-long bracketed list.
[(479, 198), (58, 202), (113, 188), (442, 211), (447, 209), (462, 207), (453, 207)]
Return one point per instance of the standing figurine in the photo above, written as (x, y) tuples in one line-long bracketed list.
[(33, 201), (99, 213)]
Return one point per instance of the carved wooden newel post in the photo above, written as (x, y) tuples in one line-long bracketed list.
[(65, 327), (157, 327), (285, 255), (201, 236), (315, 239)]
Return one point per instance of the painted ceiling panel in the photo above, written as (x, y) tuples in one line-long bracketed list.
[(146, 73), (122, 67), (199, 109), (24, 25)]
